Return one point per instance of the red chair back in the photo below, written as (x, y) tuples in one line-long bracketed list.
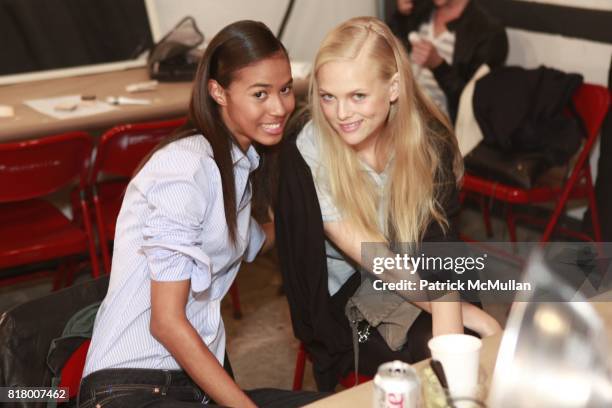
[(35, 168), (123, 147), (591, 102)]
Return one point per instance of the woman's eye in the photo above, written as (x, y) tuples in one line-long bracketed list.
[(327, 97), (286, 90), (260, 94), (359, 96)]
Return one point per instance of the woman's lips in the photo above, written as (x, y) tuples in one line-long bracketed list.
[(350, 127), (273, 128)]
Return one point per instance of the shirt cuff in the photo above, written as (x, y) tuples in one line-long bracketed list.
[(257, 237), (168, 263)]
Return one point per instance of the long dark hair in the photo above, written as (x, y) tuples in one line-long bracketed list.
[(236, 46)]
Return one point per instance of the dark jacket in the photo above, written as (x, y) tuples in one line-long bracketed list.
[(27, 330), (318, 319), (479, 39), (523, 110)]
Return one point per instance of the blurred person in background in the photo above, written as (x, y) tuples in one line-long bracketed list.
[(448, 40)]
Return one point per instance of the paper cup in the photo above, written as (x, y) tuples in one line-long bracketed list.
[(459, 355)]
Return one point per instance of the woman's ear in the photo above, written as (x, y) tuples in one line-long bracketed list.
[(217, 92), (394, 88)]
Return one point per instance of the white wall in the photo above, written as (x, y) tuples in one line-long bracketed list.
[(530, 49), (212, 15), (590, 4), (310, 19)]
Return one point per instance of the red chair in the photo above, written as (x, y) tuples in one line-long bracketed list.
[(120, 151), (591, 102), (300, 366), (31, 229), (73, 370)]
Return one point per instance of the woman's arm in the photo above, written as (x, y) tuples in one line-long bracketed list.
[(446, 314), (169, 325), (449, 315), (268, 229), (480, 321)]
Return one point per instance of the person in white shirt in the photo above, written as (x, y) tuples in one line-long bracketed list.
[(184, 228), (448, 40)]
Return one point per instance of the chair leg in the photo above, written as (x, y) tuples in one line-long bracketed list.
[(300, 365), (102, 235), (510, 222), (486, 215), (95, 268), (593, 205), (564, 197), (236, 300), (59, 275), (71, 268)]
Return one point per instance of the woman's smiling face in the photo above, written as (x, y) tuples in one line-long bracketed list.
[(257, 103), (355, 100)]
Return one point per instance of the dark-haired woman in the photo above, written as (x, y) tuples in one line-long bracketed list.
[(184, 227)]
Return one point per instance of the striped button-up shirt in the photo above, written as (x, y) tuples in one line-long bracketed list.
[(172, 227), (445, 46)]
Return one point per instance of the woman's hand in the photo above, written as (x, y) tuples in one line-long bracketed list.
[(424, 53), (479, 321)]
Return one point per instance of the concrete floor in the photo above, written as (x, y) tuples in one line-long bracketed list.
[(261, 345)]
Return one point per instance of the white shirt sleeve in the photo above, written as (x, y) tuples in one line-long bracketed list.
[(178, 198)]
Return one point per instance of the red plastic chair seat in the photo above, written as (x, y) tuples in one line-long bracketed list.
[(55, 235), (516, 195)]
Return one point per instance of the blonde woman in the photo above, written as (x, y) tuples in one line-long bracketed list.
[(378, 162)]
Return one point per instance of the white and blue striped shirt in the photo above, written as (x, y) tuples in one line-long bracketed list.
[(445, 46), (172, 227)]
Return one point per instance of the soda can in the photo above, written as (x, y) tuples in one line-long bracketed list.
[(396, 385)]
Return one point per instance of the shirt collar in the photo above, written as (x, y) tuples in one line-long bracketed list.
[(251, 156)]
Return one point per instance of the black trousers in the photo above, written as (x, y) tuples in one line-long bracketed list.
[(139, 388)]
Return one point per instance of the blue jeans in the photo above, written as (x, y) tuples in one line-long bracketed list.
[(139, 388)]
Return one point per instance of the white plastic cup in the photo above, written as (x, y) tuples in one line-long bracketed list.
[(459, 355)]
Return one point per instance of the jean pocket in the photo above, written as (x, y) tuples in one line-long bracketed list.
[(124, 395)]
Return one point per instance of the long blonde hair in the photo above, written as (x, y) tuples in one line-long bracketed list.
[(417, 133)]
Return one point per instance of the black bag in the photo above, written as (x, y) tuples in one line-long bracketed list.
[(175, 57), (515, 169), (523, 167)]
